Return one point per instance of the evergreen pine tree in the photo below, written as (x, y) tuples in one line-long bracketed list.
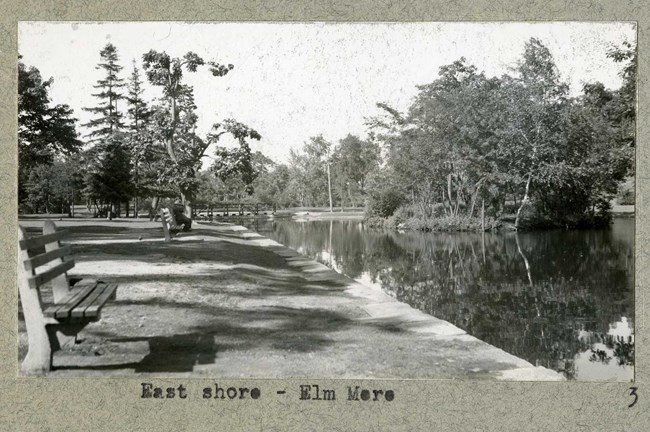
[(108, 120), (108, 174), (139, 115), (138, 112)]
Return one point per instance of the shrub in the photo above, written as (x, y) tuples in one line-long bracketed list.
[(384, 203), (374, 222), (392, 222), (438, 210), (450, 224), (626, 195), (407, 211)]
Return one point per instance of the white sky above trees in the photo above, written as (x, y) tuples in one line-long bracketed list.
[(296, 80)]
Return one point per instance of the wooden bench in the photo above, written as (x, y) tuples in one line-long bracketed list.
[(170, 227), (56, 323)]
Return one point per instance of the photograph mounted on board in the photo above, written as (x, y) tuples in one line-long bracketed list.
[(327, 200)]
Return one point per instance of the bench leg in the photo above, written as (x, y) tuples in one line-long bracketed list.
[(60, 340), (39, 355), (43, 344)]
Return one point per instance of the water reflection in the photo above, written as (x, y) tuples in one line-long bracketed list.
[(559, 299)]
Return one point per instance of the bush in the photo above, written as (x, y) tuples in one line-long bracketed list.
[(374, 222), (438, 210), (384, 203), (392, 222), (443, 224), (450, 224), (534, 217), (626, 193)]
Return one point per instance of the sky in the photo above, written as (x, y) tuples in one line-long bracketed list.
[(292, 81)]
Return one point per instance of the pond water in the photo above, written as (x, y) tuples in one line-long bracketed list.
[(559, 299)]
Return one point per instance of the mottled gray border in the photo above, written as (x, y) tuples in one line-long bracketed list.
[(106, 404)]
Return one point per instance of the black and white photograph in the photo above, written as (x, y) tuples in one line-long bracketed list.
[(433, 200)]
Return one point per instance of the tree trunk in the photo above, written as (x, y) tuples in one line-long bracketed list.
[(483, 215), (187, 203), (169, 141), (524, 201), (154, 206), (526, 262), (477, 188), (330, 243), (449, 197), (329, 186), (354, 204)]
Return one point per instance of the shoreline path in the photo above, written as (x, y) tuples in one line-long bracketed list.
[(223, 301)]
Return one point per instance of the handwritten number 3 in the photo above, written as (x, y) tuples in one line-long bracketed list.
[(636, 396)]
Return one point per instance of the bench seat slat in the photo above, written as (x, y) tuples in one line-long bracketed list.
[(78, 311), (39, 279), (34, 242), (65, 312), (93, 311), (44, 258), (62, 310)]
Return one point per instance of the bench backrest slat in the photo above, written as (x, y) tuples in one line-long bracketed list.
[(169, 217), (44, 258), (34, 242), (39, 279)]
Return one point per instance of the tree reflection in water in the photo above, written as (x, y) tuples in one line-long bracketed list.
[(547, 297)]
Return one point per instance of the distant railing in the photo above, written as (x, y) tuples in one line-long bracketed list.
[(225, 209)]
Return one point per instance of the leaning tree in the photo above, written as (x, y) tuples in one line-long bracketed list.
[(175, 122)]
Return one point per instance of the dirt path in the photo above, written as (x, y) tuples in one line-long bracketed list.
[(223, 301)]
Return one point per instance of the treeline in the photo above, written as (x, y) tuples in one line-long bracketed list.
[(135, 149), (469, 153), (320, 174)]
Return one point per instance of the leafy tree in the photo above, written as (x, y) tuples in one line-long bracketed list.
[(537, 98), (300, 186), (272, 186), (310, 173), (109, 119), (624, 104), (626, 54), (443, 149), (208, 190), (456, 119), (175, 122), (44, 131), (52, 188), (318, 152), (352, 160), (238, 162)]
